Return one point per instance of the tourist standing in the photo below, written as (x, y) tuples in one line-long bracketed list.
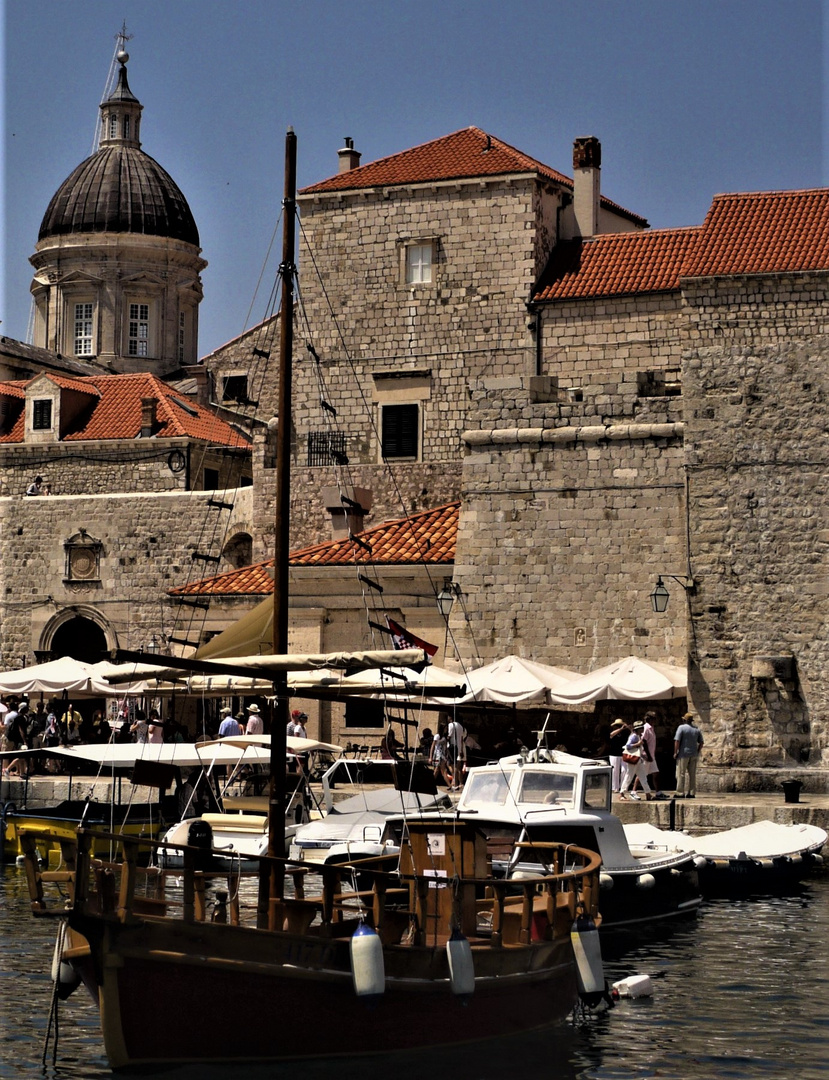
[(619, 733), (688, 743), (254, 724), (633, 767)]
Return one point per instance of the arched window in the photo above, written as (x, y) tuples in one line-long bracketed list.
[(113, 126)]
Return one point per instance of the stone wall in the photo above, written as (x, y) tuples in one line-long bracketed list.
[(565, 524), (758, 465), (147, 543)]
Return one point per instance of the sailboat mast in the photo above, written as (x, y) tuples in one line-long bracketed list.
[(276, 828)]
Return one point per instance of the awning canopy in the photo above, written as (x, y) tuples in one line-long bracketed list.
[(55, 676), (515, 681), (630, 679)]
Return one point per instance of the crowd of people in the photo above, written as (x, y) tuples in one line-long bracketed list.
[(632, 754)]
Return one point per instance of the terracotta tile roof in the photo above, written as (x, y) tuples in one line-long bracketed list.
[(427, 538), (615, 263), (463, 155), (756, 233), (763, 232), (115, 411)]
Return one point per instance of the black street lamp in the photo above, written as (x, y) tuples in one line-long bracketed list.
[(660, 595)]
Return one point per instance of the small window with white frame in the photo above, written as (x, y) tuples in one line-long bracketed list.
[(138, 340), (113, 126), (419, 263), (83, 329)]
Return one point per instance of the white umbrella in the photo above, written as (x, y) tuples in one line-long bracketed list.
[(55, 676), (630, 679), (516, 681)]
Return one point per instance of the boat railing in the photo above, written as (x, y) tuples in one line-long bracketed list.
[(401, 906)]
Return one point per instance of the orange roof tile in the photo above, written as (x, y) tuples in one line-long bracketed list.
[(463, 155), (115, 412), (615, 263), (763, 232), (426, 538)]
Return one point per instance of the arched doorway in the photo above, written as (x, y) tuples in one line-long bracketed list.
[(80, 638)]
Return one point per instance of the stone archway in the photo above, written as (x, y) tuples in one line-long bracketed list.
[(80, 637)]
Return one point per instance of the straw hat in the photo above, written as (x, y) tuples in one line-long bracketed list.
[(225, 712), (616, 725), (253, 708)]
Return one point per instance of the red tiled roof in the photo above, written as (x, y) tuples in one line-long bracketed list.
[(462, 155), (616, 263), (767, 232), (763, 232), (115, 411), (426, 538)]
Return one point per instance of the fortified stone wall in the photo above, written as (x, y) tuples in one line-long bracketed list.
[(147, 542), (758, 467), (565, 524)]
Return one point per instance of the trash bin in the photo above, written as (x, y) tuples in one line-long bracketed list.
[(791, 790)]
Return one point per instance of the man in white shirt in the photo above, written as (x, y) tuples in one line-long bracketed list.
[(254, 725)]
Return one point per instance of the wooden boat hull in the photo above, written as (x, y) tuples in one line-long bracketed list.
[(241, 990)]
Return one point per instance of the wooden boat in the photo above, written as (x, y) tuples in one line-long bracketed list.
[(135, 935), (763, 856)]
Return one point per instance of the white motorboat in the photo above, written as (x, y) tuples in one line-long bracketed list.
[(545, 796), (759, 857)]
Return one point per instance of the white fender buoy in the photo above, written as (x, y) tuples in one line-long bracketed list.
[(64, 976), (700, 862), (634, 986), (584, 936), (817, 860), (646, 881), (461, 965), (367, 968), (605, 881)]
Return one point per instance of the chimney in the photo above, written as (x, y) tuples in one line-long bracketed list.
[(347, 507), (199, 374), (149, 407), (349, 157), (587, 168)]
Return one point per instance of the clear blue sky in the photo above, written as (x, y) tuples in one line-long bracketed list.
[(688, 97)]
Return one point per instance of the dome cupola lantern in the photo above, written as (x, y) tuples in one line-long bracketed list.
[(121, 112)]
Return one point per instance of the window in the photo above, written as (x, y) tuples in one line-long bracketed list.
[(211, 479), (83, 329), (113, 126), (326, 448), (400, 431), (126, 127), (42, 414), (235, 388), (364, 714), (418, 264), (139, 330), (181, 336)]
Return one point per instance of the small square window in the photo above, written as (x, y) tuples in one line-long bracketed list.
[(235, 388), (326, 448), (42, 414), (418, 264), (400, 431)]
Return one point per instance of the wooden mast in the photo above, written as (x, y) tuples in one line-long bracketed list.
[(276, 824)]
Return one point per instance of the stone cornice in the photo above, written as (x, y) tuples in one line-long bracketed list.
[(563, 435)]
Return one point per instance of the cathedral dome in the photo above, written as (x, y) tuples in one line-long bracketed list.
[(120, 189)]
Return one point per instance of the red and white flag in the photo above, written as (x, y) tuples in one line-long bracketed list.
[(402, 639)]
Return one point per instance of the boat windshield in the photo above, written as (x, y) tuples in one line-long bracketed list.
[(487, 787), (543, 786)]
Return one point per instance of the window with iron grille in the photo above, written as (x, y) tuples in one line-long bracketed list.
[(42, 414), (326, 448), (400, 431)]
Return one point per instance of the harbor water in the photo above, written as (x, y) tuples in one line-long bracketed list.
[(741, 990)]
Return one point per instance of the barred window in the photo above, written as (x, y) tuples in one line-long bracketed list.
[(326, 448)]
